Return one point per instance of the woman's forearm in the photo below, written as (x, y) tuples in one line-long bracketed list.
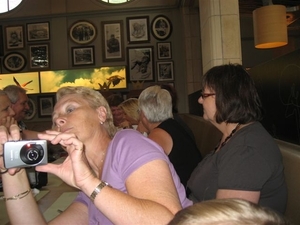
[(20, 203)]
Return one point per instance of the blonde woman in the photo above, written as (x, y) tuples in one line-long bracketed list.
[(229, 212)]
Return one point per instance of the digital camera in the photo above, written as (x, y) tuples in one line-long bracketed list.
[(25, 153)]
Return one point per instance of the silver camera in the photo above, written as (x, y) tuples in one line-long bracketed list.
[(25, 153)]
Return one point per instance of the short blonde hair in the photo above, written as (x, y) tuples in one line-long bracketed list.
[(95, 100), (131, 108), (227, 212)]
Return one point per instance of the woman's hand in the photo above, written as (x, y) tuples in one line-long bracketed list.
[(8, 121), (75, 170), (11, 133)]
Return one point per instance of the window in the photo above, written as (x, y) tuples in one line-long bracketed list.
[(116, 1), (8, 5)]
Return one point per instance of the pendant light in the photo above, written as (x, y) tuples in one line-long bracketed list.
[(270, 26)]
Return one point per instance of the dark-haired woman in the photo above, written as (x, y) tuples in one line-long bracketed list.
[(247, 163)]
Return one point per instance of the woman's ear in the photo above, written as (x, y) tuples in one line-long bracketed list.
[(102, 112)]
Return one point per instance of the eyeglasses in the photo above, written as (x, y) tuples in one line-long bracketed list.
[(206, 95)]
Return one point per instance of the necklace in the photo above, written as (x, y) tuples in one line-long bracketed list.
[(219, 146)]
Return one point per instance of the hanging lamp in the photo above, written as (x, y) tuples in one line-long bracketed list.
[(270, 26)]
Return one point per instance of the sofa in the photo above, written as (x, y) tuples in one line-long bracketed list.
[(207, 137)]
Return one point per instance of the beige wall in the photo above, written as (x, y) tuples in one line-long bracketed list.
[(63, 13)]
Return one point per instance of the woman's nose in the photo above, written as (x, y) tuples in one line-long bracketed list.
[(60, 121), (200, 100)]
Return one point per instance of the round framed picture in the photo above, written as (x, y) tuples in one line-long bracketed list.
[(161, 27), (83, 32), (14, 62), (32, 110)]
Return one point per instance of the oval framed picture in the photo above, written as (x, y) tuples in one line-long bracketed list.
[(161, 27), (83, 32), (32, 110), (14, 62)]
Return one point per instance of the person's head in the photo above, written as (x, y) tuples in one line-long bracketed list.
[(5, 106), (81, 110), (155, 104), (229, 95), (227, 212), (19, 100), (130, 108), (114, 101), (173, 94)]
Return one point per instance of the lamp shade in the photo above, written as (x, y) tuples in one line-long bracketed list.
[(270, 26)]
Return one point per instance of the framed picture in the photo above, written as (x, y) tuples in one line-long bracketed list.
[(14, 62), (138, 30), (140, 62), (14, 37), (161, 27), (83, 32), (38, 31), (112, 38), (165, 71), (1, 42), (45, 105), (39, 56), (164, 50), (32, 109), (83, 56)]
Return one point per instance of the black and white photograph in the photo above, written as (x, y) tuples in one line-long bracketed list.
[(14, 62), (161, 27), (165, 71), (83, 32), (138, 30), (45, 105), (39, 56), (83, 56), (140, 61), (14, 37), (32, 109), (113, 40), (38, 31), (164, 50)]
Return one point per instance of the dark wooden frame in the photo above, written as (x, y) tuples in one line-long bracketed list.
[(138, 30), (14, 62), (39, 56), (38, 31), (113, 51), (161, 27), (76, 34), (18, 32), (82, 56), (136, 59), (45, 105)]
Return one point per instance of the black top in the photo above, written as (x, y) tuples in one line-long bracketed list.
[(184, 154), (249, 161)]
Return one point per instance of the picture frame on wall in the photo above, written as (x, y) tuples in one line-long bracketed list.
[(83, 56), (14, 62), (45, 105), (164, 50), (83, 32), (1, 42), (32, 109), (14, 37), (161, 27), (140, 63), (165, 71), (138, 30), (38, 31), (112, 39), (39, 56)]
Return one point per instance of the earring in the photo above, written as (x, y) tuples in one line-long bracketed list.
[(101, 122)]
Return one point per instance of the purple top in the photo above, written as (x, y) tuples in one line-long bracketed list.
[(128, 151)]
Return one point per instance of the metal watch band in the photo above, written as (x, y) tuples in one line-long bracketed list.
[(98, 189)]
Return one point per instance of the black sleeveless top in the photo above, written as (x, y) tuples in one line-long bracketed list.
[(184, 154)]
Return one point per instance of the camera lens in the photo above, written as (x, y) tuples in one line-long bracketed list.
[(32, 153)]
